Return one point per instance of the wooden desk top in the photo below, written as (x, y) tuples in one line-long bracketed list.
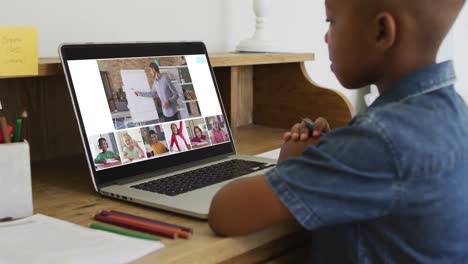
[(63, 189), (52, 66)]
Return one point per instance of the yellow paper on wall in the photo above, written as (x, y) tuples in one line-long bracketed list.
[(18, 51)]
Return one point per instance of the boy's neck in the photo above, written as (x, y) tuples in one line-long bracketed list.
[(402, 66)]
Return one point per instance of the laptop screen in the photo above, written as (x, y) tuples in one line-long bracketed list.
[(141, 113)]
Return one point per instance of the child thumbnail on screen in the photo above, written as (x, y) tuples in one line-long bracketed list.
[(131, 145), (198, 133), (104, 151), (177, 136), (218, 131), (154, 140)]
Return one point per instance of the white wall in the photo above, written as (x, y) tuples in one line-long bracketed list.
[(61, 21), (454, 48), (460, 52)]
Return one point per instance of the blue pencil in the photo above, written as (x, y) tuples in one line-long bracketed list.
[(309, 124)]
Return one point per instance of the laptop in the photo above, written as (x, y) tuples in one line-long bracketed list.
[(153, 125)]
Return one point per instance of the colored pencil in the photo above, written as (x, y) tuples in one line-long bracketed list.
[(4, 128), (17, 131), (309, 124), (118, 222), (187, 229), (149, 226), (24, 115), (121, 231)]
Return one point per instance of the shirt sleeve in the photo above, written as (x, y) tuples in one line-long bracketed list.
[(348, 176), (151, 93)]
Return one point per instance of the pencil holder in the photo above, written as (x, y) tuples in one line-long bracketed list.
[(15, 180)]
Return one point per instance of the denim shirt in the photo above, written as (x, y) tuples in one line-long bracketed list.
[(392, 186)]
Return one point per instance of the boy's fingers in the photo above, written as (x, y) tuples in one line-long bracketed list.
[(322, 125), (295, 131), (304, 136), (303, 132), (298, 132)]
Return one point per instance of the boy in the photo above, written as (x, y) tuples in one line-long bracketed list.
[(156, 146), (106, 153), (391, 187)]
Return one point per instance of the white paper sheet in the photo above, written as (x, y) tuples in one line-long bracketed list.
[(43, 239), (274, 154)]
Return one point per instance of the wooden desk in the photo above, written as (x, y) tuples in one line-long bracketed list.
[(63, 189), (271, 90)]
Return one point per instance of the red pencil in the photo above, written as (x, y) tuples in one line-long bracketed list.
[(117, 222), (113, 212)]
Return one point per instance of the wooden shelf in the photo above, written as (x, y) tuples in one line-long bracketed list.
[(255, 139), (245, 59), (52, 66)]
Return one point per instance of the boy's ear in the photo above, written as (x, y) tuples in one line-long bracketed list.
[(386, 30)]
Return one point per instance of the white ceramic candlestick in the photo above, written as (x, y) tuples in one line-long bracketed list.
[(261, 41)]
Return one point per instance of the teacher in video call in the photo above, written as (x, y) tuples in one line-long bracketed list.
[(165, 90)]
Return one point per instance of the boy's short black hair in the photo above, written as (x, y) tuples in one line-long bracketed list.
[(151, 132), (100, 140)]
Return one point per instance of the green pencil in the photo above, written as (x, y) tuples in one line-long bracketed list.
[(122, 231), (17, 131)]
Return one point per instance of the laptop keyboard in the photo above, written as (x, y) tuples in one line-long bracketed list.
[(199, 178)]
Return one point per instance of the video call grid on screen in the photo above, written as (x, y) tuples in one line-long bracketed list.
[(126, 122)]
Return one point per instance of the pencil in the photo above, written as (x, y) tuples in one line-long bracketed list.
[(150, 226), (17, 131), (4, 128), (187, 229), (109, 220), (122, 231), (24, 115), (309, 124)]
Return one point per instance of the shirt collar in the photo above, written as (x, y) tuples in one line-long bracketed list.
[(425, 80)]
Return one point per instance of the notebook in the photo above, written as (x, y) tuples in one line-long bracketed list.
[(153, 125)]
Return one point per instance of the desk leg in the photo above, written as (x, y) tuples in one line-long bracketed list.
[(241, 95)]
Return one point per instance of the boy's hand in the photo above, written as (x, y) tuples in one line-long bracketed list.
[(137, 93), (300, 131), (292, 148)]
